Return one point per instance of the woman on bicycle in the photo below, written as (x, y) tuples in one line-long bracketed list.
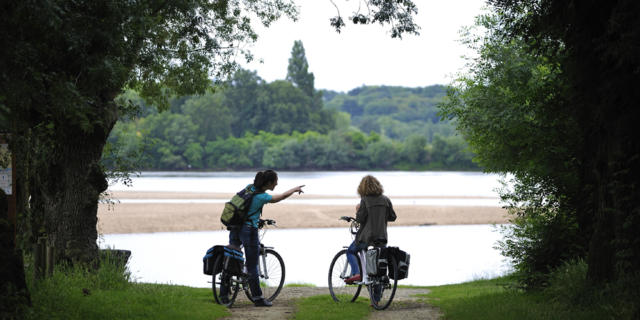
[(247, 234), (373, 213)]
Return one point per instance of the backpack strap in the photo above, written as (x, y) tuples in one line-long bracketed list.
[(250, 199)]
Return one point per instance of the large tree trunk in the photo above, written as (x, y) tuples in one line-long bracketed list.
[(611, 165), (600, 258), (69, 195), (605, 80)]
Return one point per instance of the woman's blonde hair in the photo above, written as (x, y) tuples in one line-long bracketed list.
[(370, 186)]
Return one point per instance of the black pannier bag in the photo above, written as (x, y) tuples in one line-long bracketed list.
[(402, 259), (376, 262), (233, 261), (209, 260)]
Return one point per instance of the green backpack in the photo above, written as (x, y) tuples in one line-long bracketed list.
[(235, 210)]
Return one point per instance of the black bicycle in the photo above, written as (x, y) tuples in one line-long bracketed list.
[(271, 272), (382, 288)]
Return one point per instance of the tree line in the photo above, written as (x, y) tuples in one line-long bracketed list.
[(289, 125), (311, 150)]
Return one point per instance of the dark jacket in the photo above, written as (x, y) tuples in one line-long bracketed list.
[(373, 215)]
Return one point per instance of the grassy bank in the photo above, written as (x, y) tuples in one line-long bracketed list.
[(137, 301), (76, 293), (498, 299), (490, 299)]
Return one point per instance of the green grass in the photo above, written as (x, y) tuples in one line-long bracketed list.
[(405, 286), (79, 294), (300, 285), (323, 307), (139, 301), (76, 293), (495, 300)]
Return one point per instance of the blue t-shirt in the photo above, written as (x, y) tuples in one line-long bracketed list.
[(255, 210)]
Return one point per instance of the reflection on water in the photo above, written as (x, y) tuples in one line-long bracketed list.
[(439, 254)]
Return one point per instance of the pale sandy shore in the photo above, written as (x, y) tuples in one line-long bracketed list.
[(174, 217)]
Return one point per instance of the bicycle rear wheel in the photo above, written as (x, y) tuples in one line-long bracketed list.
[(272, 272), (224, 279), (382, 289), (338, 271)]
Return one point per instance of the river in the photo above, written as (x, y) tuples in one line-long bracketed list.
[(439, 254)]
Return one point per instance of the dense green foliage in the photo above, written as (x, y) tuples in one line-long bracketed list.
[(253, 124), (544, 103), (506, 108), (567, 297)]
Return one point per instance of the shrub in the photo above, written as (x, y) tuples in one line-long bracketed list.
[(543, 234)]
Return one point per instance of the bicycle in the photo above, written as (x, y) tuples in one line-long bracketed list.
[(270, 268), (382, 285)]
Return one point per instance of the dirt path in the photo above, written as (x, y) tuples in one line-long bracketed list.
[(407, 307), (404, 305)]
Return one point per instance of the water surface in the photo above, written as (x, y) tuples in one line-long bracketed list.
[(439, 254), (344, 183)]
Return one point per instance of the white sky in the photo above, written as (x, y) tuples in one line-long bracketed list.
[(367, 55)]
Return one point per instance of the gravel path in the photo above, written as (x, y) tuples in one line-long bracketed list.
[(404, 306)]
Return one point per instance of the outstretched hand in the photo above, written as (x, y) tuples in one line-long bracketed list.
[(286, 194)]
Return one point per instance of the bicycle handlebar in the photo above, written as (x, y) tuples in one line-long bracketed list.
[(263, 222), (353, 228)]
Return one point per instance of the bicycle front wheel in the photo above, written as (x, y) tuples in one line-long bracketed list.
[(382, 289), (222, 281), (339, 270), (272, 272)]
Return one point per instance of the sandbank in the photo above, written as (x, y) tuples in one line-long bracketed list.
[(124, 217)]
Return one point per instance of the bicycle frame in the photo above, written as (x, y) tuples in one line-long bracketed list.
[(363, 262), (344, 274), (262, 265), (353, 228)]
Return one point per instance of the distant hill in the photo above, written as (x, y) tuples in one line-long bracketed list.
[(396, 112)]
